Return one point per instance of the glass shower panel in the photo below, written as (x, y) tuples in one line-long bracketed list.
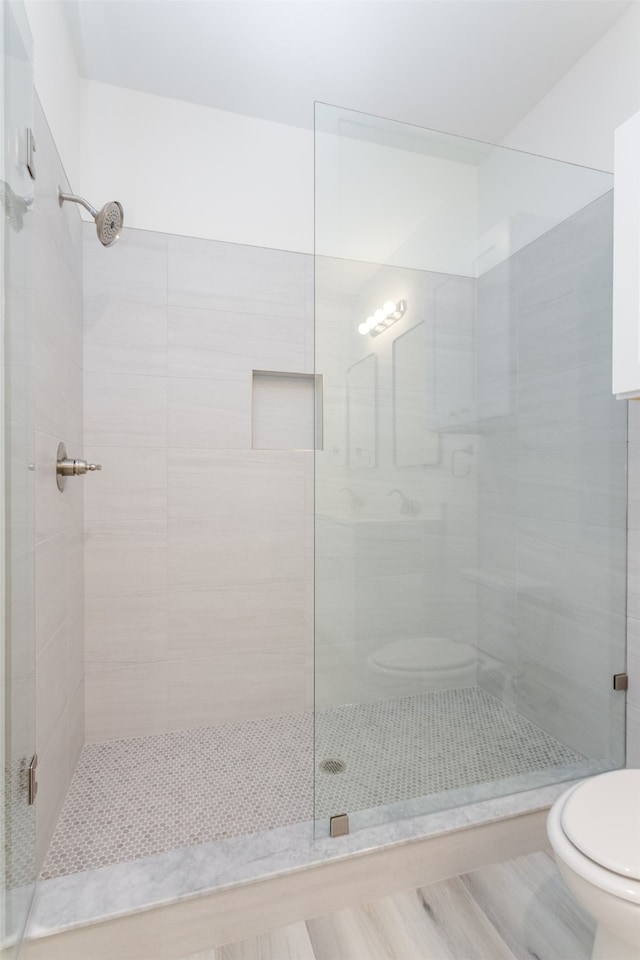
[(470, 528), (18, 626)]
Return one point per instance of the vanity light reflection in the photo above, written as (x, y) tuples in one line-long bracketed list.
[(383, 318)]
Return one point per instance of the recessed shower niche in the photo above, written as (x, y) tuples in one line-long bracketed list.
[(286, 411)]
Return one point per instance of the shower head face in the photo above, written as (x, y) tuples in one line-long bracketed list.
[(109, 223)]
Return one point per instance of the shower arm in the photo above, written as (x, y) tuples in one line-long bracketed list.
[(74, 199)]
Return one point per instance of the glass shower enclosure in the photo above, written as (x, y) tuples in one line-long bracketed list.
[(470, 491)]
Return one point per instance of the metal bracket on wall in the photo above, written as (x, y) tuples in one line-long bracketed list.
[(33, 782), (339, 825), (31, 149), (621, 681)]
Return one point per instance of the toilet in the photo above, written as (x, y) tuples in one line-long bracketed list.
[(422, 665), (594, 829)]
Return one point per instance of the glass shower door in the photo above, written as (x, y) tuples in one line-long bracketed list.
[(18, 581), (465, 638)]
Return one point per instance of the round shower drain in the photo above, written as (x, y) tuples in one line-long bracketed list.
[(333, 766)]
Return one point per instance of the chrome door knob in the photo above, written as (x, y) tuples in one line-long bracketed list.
[(67, 467)]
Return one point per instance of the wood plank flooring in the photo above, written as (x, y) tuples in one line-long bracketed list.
[(518, 910)]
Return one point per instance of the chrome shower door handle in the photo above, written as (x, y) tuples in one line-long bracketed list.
[(67, 467)]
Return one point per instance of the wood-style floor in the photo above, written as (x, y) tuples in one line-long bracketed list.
[(518, 909)]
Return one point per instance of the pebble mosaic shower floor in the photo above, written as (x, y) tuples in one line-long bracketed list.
[(134, 798)]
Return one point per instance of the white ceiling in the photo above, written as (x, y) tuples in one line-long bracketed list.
[(473, 67)]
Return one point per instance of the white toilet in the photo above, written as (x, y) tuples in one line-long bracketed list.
[(423, 664), (594, 829)]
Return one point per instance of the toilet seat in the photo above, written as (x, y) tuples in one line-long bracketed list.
[(601, 818), (423, 656), (615, 884)]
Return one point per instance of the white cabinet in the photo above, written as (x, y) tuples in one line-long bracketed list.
[(626, 261)]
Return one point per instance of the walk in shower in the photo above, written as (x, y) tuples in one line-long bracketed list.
[(470, 490), (358, 544)]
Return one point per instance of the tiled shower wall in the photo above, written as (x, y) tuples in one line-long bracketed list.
[(552, 485), (198, 547), (57, 288)]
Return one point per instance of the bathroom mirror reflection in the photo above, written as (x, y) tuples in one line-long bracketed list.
[(362, 428), (414, 444)]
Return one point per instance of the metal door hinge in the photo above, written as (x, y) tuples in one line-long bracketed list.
[(621, 681), (33, 782), (31, 149), (339, 825)]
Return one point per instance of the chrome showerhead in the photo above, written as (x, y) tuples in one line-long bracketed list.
[(109, 223), (109, 220)]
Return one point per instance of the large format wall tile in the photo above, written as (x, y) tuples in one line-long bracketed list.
[(244, 483), (126, 701), (210, 413), (125, 410), (132, 484), (243, 619), (208, 691), (125, 336), (131, 630), (230, 276), (133, 269), (223, 345), (208, 553), (125, 557)]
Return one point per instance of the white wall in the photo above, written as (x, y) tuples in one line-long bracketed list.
[(577, 118), (56, 80), (185, 169)]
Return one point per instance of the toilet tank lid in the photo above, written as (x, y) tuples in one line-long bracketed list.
[(602, 819)]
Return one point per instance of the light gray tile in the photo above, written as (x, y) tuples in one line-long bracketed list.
[(229, 687), (75, 401), (573, 562), (577, 482), (125, 336), (247, 618), (75, 648), (130, 486), (573, 638), (229, 276), (76, 713), (212, 483), (50, 395), (125, 557), (125, 410), (51, 588), (564, 294), (223, 345), (52, 689), (134, 269), (51, 506), (210, 553), (129, 701), (554, 408), (75, 566), (210, 413), (134, 629)]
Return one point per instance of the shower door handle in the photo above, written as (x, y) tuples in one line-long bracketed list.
[(67, 467)]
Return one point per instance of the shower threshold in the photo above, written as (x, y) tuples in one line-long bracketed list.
[(156, 819)]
